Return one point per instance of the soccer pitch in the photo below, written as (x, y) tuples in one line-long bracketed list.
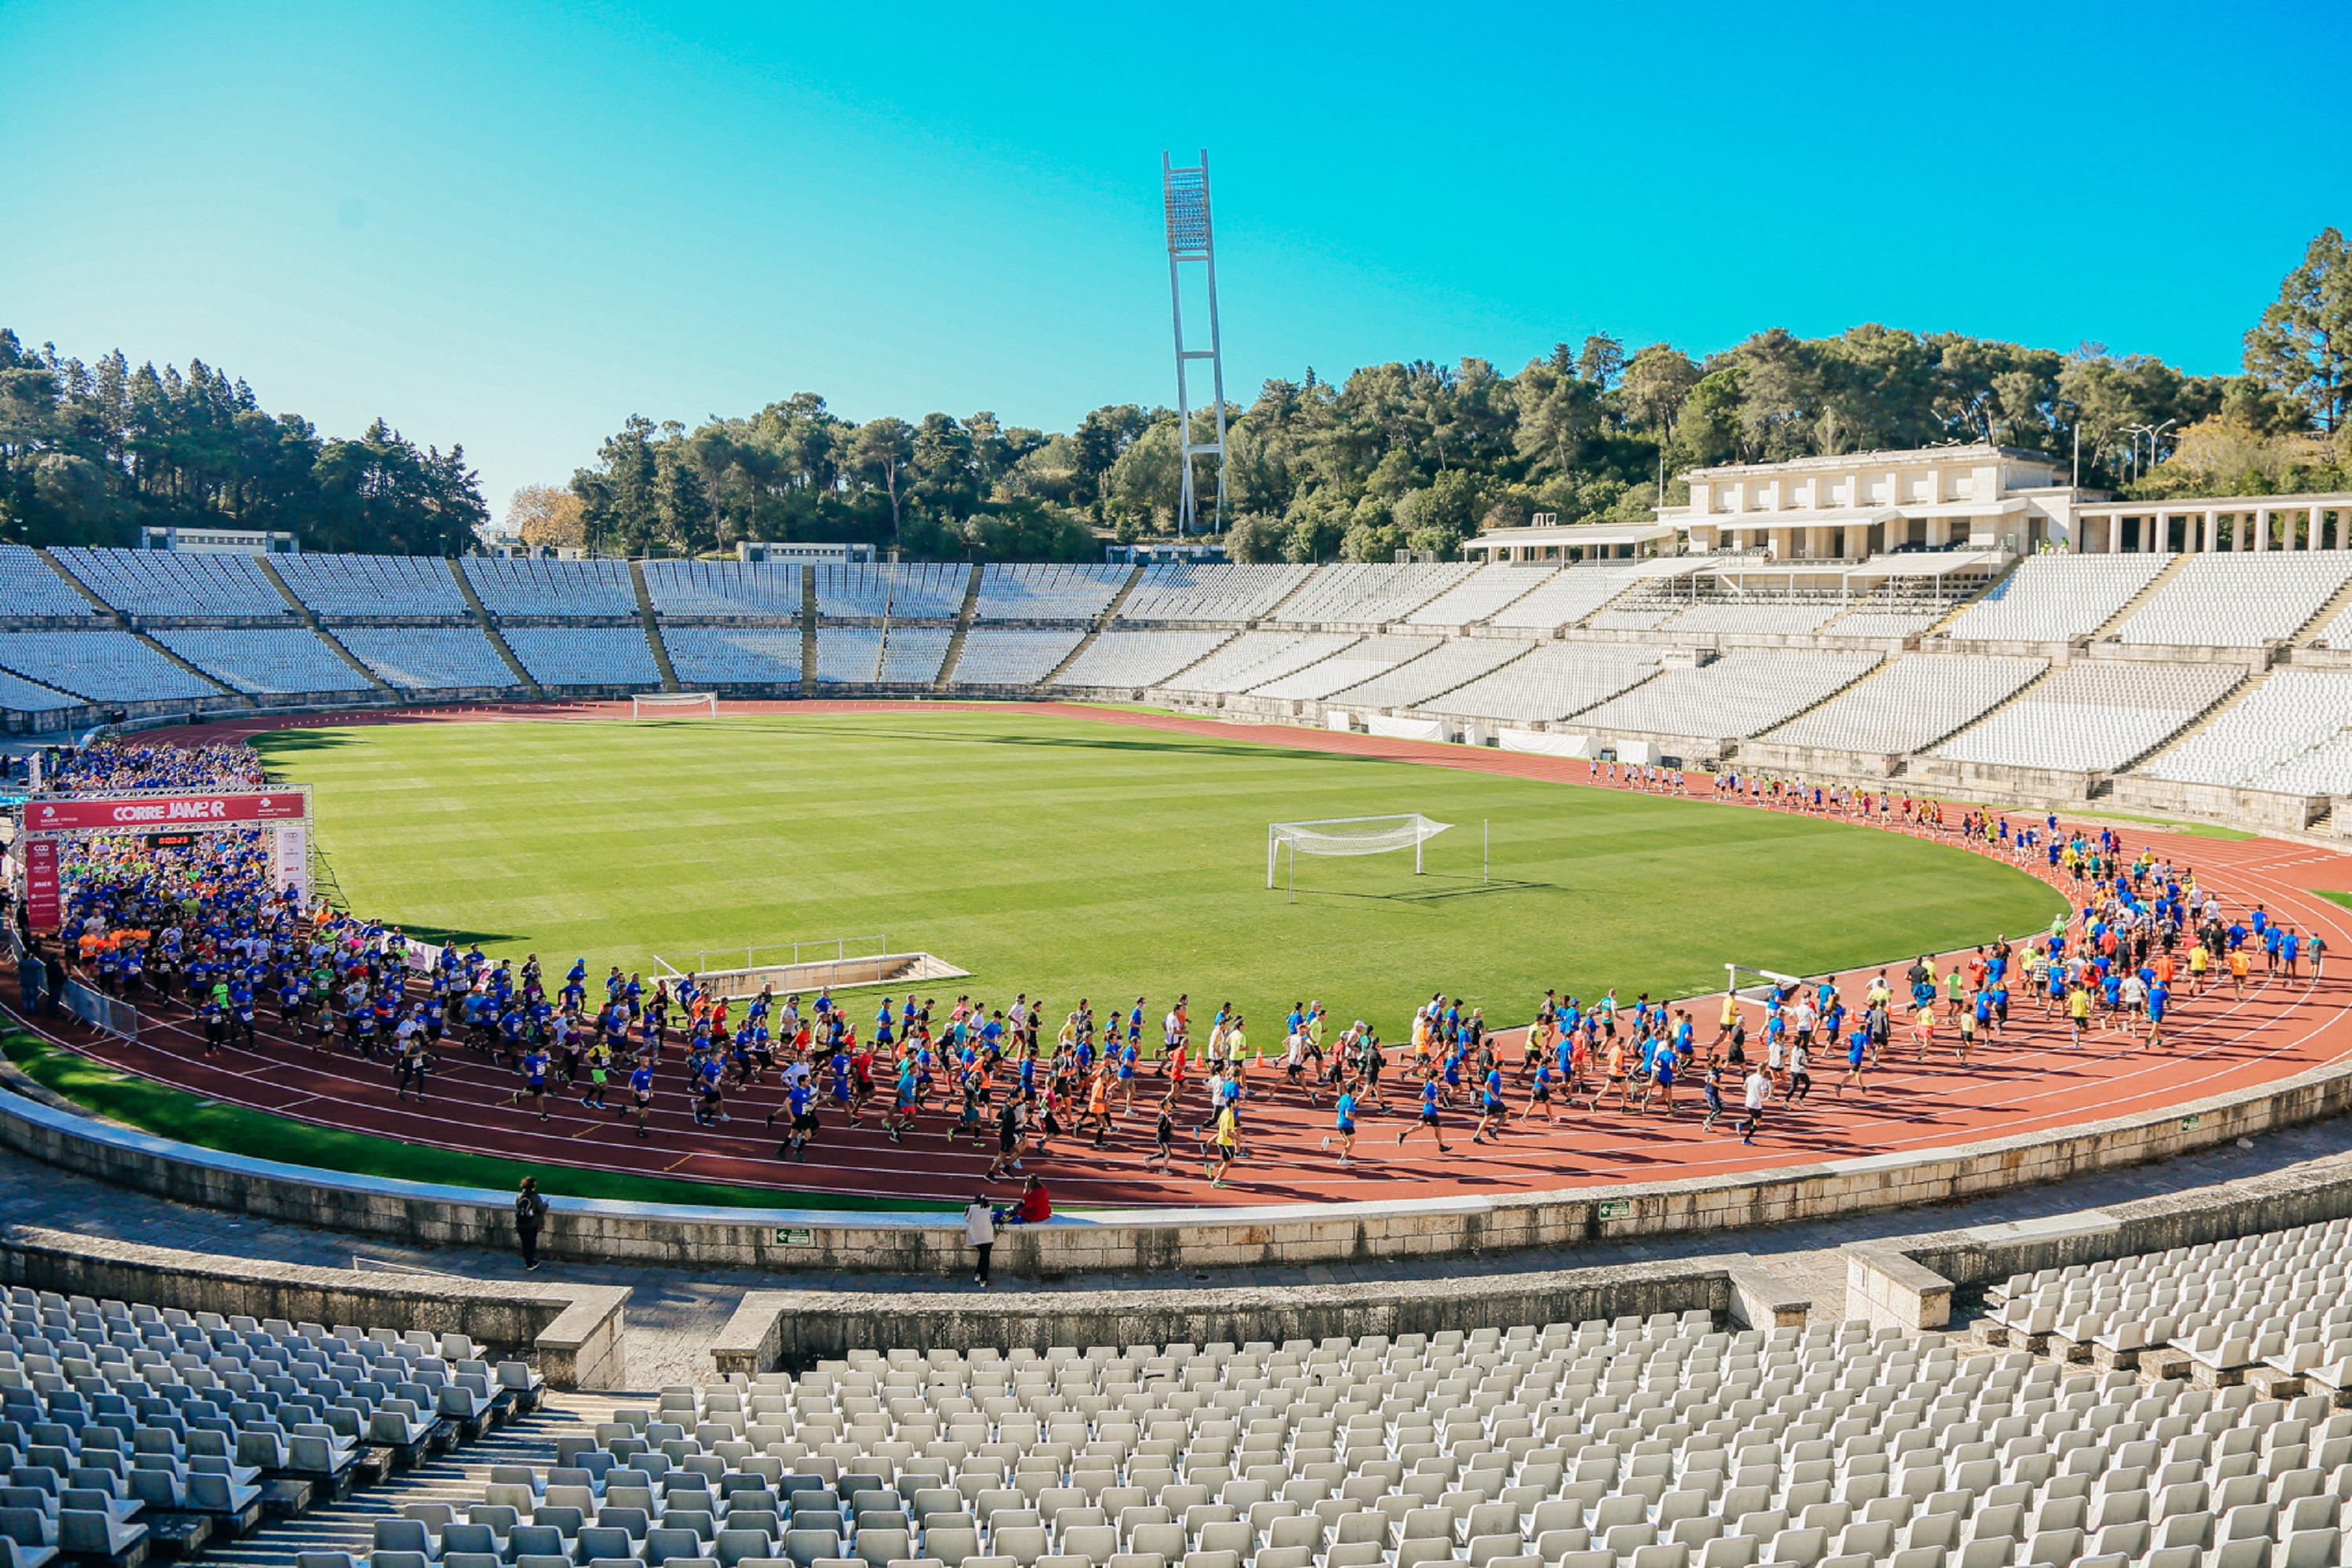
[(1066, 857)]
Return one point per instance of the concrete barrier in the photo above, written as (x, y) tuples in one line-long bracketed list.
[(571, 1331), (772, 1329), (1816, 762), (1908, 1280), (2033, 785), (2248, 808)]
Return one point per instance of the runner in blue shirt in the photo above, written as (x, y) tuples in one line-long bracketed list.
[(534, 1077), (1493, 1115), (1343, 1127), (1429, 1118)]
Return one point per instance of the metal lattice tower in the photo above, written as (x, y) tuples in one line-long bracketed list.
[(1191, 237)]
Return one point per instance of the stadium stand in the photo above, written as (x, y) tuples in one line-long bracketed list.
[(169, 584), (1642, 609), (31, 590), (2288, 734), (1744, 692), (338, 587), (25, 697), (846, 654), (428, 658), (266, 663), (1141, 657), (2239, 601), (2056, 598), (1352, 666), (585, 656), (1554, 681), (1664, 1442), (733, 656), (102, 666), (923, 591), (1255, 658), (2093, 717), (725, 589), (1447, 666), (1758, 617), (912, 654), (1365, 595), (1911, 704), (994, 656), (552, 590), (1567, 597), (1045, 592), (1877, 623), (1180, 591), (1483, 593)]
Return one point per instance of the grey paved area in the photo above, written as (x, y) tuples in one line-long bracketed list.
[(673, 1316)]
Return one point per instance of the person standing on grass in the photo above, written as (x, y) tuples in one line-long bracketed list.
[(530, 1214), (979, 1235)]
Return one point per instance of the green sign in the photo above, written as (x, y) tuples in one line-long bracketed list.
[(2189, 1123), (795, 1236), (1617, 1208)]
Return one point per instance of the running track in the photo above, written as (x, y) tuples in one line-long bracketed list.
[(2032, 1080)]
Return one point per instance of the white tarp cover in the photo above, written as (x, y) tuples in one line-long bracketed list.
[(1334, 720), (1402, 729), (1547, 745)]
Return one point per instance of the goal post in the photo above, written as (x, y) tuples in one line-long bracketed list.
[(657, 704), (1349, 835), (1749, 983)]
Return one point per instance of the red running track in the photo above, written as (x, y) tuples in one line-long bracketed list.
[(2029, 1081)]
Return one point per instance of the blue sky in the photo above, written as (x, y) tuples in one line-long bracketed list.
[(512, 225)]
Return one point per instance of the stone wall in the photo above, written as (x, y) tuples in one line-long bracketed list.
[(2250, 808), (1814, 761)]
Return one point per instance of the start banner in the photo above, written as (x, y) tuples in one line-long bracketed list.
[(94, 814)]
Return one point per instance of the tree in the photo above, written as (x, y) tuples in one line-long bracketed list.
[(2303, 345), (881, 451), (547, 515)]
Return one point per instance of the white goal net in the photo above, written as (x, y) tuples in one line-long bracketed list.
[(1751, 984), (1350, 836), (658, 704)]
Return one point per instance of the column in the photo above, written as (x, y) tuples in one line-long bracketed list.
[(2319, 531), (2213, 540), (2238, 531), (2261, 530)]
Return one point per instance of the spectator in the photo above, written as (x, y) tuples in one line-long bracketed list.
[(1037, 1205), (980, 1231), (531, 1213)]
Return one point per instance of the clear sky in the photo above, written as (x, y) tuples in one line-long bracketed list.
[(512, 225)]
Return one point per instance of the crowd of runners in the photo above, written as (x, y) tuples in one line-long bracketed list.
[(2143, 942)]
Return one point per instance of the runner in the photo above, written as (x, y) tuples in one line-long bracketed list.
[(1343, 1127), (1429, 1116)]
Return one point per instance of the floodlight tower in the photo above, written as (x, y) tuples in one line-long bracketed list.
[(1190, 238)]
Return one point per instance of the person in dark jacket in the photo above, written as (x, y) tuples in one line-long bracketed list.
[(55, 972), (531, 1213)]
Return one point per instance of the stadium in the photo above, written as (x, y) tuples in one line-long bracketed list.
[(1720, 950)]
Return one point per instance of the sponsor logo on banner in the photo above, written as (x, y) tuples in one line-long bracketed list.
[(165, 810), (41, 884)]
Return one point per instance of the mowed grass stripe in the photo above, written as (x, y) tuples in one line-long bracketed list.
[(1066, 859)]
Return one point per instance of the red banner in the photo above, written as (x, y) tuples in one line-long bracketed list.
[(146, 813), (41, 883)]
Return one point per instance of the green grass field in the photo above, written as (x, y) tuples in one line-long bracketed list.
[(1069, 858)]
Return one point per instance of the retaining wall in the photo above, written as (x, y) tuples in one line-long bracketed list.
[(2031, 785), (1816, 762), (771, 1329), (2239, 808)]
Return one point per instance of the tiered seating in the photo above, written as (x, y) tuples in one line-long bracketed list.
[(585, 656), (1047, 593), (1139, 658), (1554, 681), (1876, 623), (2288, 733), (1482, 593), (1911, 704), (2276, 1299), (2337, 632), (170, 582), (339, 586), (1663, 1443), (23, 697), (2093, 716), (1760, 617), (30, 590), (846, 654), (112, 1414), (2056, 598), (266, 663), (993, 656), (1448, 665), (1351, 666), (1569, 596), (428, 658), (1744, 692), (1255, 658), (551, 589), (1179, 591), (932, 590), (733, 656), (913, 655), (103, 667), (1351, 595), (2239, 601), (1643, 609), (718, 589)]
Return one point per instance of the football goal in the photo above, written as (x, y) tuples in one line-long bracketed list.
[(1349, 835), (1751, 984), (661, 704)]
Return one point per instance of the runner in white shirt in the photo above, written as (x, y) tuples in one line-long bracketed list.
[(1759, 1090)]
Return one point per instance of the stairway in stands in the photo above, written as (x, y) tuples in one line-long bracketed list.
[(318, 628), (2155, 585), (962, 629), (1095, 628), (489, 629), (652, 623), (456, 1478)]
